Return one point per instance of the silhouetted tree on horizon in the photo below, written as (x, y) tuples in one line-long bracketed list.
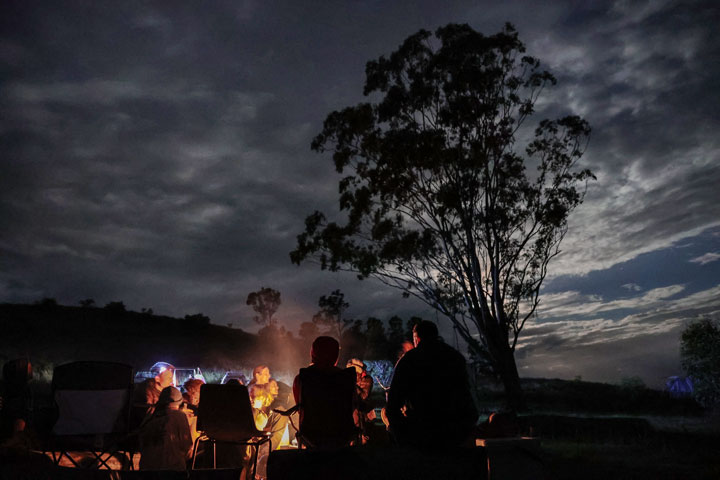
[(331, 312), (197, 320), (700, 354), (87, 303), (438, 200), (265, 302)]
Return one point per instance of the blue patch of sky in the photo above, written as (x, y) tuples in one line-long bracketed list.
[(656, 269)]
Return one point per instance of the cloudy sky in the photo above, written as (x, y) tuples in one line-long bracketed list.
[(157, 153)]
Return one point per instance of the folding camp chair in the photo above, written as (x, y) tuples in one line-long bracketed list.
[(93, 401), (225, 416), (326, 405)]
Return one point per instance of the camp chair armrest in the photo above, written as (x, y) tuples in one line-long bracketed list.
[(287, 413)]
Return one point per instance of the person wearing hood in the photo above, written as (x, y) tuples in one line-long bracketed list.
[(165, 440)]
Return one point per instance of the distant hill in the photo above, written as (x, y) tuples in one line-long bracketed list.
[(51, 334), (552, 395)]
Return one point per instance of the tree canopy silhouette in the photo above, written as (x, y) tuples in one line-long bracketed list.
[(265, 302), (700, 352), (331, 312), (438, 199)]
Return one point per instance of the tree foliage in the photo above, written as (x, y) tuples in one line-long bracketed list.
[(331, 312), (438, 199), (87, 303), (115, 307), (700, 352), (265, 302), (194, 320)]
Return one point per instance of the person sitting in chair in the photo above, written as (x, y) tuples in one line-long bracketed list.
[(261, 376), (262, 399), (147, 393), (365, 412), (326, 398), (165, 439), (191, 403), (421, 414)]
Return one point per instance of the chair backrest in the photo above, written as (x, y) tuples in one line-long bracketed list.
[(225, 413), (326, 406), (92, 397)]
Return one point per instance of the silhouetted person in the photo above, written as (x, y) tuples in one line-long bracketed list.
[(324, 353), (326, 397), (422, 412), (147, 393), (16, 398), (165, 437)]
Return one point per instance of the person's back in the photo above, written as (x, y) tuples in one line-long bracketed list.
[(165, 437), (430, 386), (326, 397), (327, 403)]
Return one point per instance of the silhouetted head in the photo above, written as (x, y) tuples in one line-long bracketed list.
[(261, 374), (425, 331), (324, 351)]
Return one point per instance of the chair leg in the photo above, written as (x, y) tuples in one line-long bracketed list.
[(254, 458), (195, 449), (55, 458), (72, 460)]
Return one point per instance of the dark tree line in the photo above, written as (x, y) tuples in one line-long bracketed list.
[(369, 339)]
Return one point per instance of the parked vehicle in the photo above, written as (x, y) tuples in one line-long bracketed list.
[(180, 376), (236, 375)]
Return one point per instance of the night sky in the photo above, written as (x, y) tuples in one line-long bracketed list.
[(158, 153)]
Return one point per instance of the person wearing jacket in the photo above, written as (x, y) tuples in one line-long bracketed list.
[(165, 440), (419, 412)]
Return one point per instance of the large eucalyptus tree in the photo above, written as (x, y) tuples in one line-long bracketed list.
[(438, 198)]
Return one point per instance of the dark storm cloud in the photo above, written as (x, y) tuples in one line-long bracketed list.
[(171, 142), (158, 152)]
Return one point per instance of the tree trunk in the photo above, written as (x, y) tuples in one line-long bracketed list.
[(503, 363), (511, 381)]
